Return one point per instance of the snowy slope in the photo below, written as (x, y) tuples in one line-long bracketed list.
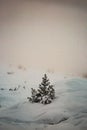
[(67, 112)]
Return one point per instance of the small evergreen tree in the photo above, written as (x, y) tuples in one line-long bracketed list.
[(43, 89), (35, 97), (44, 94)]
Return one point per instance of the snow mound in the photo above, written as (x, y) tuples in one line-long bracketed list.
[(67, 112)]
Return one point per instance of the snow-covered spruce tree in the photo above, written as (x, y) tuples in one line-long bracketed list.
[(43, 87), (35, 96), (44, 94)]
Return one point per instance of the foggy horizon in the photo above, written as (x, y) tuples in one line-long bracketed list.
[(50, 35)]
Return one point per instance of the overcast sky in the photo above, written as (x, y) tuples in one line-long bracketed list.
[(43, 34)]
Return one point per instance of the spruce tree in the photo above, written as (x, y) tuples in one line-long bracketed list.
[(35, 96), (44, 94), (43, 87)]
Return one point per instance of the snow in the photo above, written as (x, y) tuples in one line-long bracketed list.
[(67, 112)]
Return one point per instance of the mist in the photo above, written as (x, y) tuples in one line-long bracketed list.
[(44, 34)]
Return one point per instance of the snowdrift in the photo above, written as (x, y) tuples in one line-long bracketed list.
[(67, 112)]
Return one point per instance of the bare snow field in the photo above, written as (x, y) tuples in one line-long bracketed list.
[(67, 112)]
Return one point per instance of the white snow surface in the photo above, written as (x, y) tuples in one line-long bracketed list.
[(67, 112)]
